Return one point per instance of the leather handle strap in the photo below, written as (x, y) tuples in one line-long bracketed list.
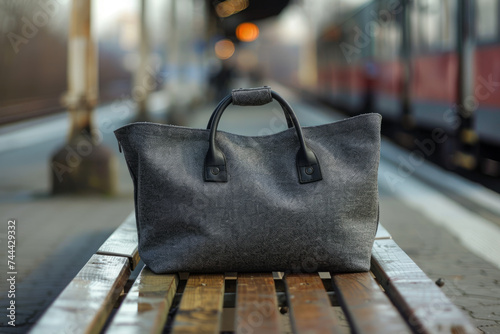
[(251, 97), (215, 169)]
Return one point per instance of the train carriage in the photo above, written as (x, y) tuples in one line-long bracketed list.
[(423, 65)]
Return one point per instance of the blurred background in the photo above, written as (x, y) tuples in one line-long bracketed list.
[(422, 64), (72, 71)]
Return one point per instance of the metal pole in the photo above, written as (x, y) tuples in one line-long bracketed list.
[(466, 155), (141, 89), (173, 87), (82, 165), (408, 122)]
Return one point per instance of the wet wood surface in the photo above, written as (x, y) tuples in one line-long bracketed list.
[(256, 304), (310, 308), (366, 306), (424, 304), (85, 304), (382, 233), (146, 306), (123, 242), (200, 309)]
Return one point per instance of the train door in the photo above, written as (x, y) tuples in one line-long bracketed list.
[(434, 63)]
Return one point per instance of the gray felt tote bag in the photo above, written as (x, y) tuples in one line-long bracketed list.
[(301, 200)]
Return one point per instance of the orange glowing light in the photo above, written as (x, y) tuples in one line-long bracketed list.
[(224, 49), (247, 32)]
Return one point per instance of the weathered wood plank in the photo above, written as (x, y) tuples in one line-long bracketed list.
[(310, 308), (85, 304), (367, 308), (256, 304), (200, 309), (382, 233), (146, 306), (123, 242), (426, 307)]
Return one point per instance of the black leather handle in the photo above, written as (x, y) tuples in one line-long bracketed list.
[(215, 169), (251, 97)]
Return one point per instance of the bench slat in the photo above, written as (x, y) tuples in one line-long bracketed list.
[(146, 306), (310, 308), (256, 304), (382, 233), (85, 304), (200, 309), (427, 308), (367, 308), (123, 242)]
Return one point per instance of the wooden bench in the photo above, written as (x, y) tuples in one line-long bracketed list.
[(395, 297)]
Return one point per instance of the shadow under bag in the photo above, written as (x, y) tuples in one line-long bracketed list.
[(301, 200)]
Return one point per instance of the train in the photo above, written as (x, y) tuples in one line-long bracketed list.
[(431, 68)]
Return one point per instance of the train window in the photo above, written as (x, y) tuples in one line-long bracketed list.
[(389, 42), (430, 26), (433, 25), (487, 20), (388, 37)]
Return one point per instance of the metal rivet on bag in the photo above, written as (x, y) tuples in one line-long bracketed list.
[(214, 170), (309, 170)]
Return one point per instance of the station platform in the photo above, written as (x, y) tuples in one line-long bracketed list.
[(449, 226)]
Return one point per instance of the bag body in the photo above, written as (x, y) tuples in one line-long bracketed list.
[(211, 201)]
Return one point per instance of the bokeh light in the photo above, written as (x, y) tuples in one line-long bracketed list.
[(247, 32), (224, 49)]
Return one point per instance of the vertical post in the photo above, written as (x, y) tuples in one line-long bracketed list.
[(171, 54), (466, 155), (308, 54), (82, 165), (142, 78), (82, 94), (199, 28), (202, 31), (173, 86), (407, 121)]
